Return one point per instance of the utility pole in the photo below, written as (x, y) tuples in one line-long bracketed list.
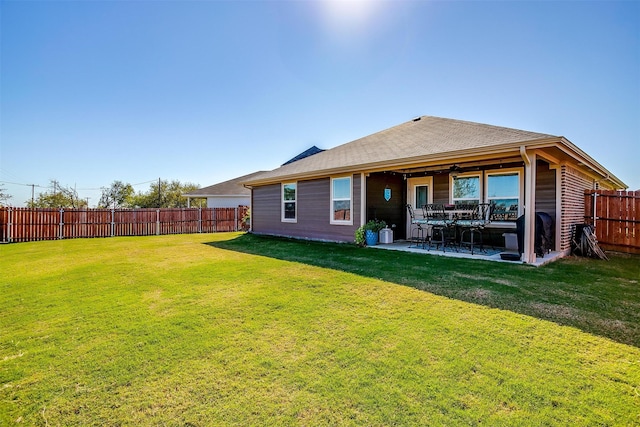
[(159, 197)]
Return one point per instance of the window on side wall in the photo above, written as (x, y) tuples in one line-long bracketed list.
[(465, 189), (503, 191), (341, 201), (289, 202)]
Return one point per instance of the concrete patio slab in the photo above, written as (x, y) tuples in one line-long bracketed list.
[(488, 255)]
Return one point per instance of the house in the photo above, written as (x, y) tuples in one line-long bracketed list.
[(227, 194), (232, 193), (429, 160)]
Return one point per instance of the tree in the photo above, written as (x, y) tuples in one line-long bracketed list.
[(58, 197), (4, 196), (168, 194), (119, 195)]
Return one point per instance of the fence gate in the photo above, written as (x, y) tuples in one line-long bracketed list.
[(615, 217)]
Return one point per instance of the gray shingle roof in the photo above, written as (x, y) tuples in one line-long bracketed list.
[(309, 152), (422, 137), (232, 187)]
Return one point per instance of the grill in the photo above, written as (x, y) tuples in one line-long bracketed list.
[(543, 234)]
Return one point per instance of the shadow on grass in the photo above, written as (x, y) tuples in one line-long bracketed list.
[(598, 297)]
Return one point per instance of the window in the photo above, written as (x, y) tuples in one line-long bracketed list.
[(289, 205), (421, 196), (465, 189), (503, 191), (341, 201)]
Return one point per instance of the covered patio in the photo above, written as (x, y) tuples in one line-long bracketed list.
[(508, 182)]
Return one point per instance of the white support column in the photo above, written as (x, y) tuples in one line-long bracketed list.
[(529, 255)]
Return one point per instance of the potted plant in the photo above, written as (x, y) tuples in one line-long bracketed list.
[(360, 236), (368, 233)]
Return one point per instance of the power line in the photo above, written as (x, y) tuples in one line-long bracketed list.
[(81, 189), (26, 185)]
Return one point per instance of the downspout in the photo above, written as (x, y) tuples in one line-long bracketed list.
[(529, 255)]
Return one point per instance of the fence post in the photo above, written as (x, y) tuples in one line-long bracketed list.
[(200, 219), (595, 209), (113, 222), (10, 226), (235, 218), (60, 231), (157, 222)]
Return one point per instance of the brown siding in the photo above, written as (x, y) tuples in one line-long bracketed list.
[(574, 183), (441, 188), (546, 190), (393, 212), (314, 209)]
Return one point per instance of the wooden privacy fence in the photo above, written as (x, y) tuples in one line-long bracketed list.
[(615, 217), (26, 224)]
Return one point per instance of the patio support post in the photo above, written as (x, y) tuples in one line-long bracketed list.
[(529, 255)]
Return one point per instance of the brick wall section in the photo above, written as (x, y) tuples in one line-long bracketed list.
[(573, 185)]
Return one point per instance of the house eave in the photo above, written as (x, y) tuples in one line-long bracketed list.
[(199, 196), (505, 150), (509, 150)]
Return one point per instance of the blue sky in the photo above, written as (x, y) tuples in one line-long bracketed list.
[(205, 91)]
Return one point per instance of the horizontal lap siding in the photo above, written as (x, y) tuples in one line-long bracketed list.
[(546, 192), (545, 189), (441, 188), (392, 211), (313, 212)]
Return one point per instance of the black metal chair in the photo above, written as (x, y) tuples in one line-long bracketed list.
[(442, 226), (417, 234), (472, 226)]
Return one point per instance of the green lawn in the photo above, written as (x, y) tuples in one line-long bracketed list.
[(232, 329)]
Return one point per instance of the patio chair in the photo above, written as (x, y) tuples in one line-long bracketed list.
[(472, 226), (442, 226), (417, 234)]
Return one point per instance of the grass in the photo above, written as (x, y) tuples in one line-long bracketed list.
[(231, 329)]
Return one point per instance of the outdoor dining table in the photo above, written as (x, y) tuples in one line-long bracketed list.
[(450, 224)]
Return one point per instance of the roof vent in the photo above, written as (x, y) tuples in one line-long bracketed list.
[(417, 119)]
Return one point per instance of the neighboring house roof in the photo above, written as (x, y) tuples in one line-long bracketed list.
[(232, 187), (235, 187), (424, 140), (310, 152)]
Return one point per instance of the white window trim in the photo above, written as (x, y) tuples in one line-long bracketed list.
[(282, 202), (467, 175), (508, 171), (331, 200), (411, 190)]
